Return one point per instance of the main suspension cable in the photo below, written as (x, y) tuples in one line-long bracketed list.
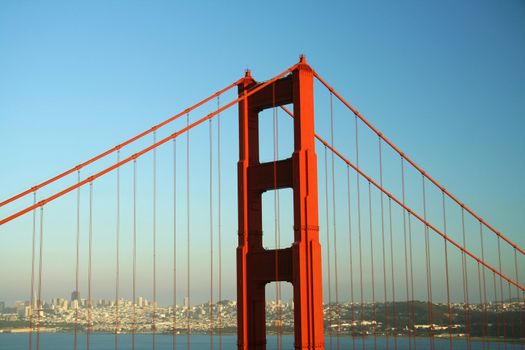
[(425, 174), (145, 150), (119, 146), (421, 219)]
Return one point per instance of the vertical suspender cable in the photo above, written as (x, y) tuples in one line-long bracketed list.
[(511, 316), (485, 313), (504, 321), (117, 262), (334, 210), (32, 291), (211, 235), (406, 251), (495, 308), (465, 282), (77, 268), (428, 266), (188, 344), (446, 272), (394, 314), (385, 296), (90, 257), (513, 334), (154, 257), (359, 233), (350, 253), (411, 278), (329, 308), (372, 261), (174, 302), (40, 307), (519, 295), (134, 253), (219, 219), (481, 303)]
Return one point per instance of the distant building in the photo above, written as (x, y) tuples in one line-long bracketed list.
[(2, 306), (22, 309), (75, 295)]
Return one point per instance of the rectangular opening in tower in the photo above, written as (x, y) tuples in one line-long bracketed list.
[(277, 222), (275, 134), (279, 315)]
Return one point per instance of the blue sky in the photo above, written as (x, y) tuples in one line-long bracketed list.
[(445, 80)]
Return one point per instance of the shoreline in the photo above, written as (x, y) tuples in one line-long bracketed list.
[(49, 330)]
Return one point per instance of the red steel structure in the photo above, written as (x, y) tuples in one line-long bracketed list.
[(300, 264)]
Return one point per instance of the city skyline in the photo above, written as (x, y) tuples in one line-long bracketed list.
[(339, 319)]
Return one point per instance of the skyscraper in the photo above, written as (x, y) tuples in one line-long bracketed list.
[(75, 295)]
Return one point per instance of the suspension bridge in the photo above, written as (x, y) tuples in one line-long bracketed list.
[(372, 250)]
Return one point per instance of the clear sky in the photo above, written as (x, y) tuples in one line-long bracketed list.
[(445, 80)]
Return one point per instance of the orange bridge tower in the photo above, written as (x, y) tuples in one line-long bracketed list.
[(301, 263)]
